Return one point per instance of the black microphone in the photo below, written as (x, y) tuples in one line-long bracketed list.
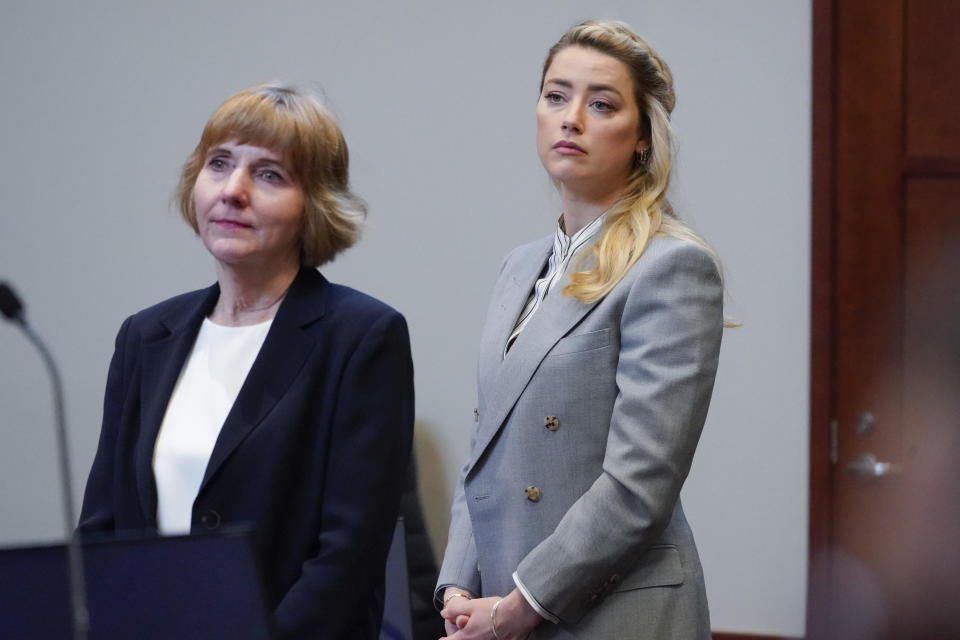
[(12, 309), (10, 304)]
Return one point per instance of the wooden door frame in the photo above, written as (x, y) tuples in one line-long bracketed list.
[(822, 309)]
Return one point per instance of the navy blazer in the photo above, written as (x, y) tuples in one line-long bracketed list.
[(312, 453)]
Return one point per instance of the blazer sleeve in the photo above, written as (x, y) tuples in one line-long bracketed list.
[(370, 450), (670, 332), (460, 561), (97, 513)]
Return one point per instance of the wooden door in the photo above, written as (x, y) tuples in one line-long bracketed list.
[(885, 491)]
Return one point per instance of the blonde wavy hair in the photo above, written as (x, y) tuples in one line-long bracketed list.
[(643, 210), (295, 125)]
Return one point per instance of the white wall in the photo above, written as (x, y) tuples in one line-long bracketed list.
[(103, 100)]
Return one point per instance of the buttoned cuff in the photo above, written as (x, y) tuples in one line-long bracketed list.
[(546, 615)]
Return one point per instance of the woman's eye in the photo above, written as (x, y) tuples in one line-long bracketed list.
[(270, 175), (553, 98), (602, 105), (217, 164)]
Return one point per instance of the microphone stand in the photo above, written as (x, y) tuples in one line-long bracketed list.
[(13, 309)]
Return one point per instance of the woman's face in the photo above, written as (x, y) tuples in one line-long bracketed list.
[(588, 123), (249, 208)]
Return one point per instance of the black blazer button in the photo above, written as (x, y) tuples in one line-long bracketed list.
[(210, 519)]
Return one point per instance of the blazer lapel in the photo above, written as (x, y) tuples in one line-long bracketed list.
[(557, 315), (508, 302), (162, 356), (284, 351)]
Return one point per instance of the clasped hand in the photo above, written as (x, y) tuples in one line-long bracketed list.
[(466, 619)]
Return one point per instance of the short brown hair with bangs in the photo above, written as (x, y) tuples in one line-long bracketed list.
[(295, 125)]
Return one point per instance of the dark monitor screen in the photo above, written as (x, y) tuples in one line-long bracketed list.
[(156, 588)]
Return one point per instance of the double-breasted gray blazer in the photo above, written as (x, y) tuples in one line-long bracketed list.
[(585, 434)]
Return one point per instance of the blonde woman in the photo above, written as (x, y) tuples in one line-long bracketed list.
[(273, 399), (596, 368)]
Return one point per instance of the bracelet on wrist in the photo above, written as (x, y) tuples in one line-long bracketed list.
[(455, 595), (493, 619)]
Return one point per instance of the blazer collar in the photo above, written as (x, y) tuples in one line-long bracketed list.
[(558, 315), (168, 344), (516, 293), (288, 344)]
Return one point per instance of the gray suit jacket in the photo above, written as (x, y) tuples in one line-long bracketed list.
[(586, 432)]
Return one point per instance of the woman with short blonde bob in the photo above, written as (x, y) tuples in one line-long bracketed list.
[(596, 368), (256, 401)]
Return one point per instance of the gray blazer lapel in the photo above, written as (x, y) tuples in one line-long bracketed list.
[(557, 315), (509, 297)]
